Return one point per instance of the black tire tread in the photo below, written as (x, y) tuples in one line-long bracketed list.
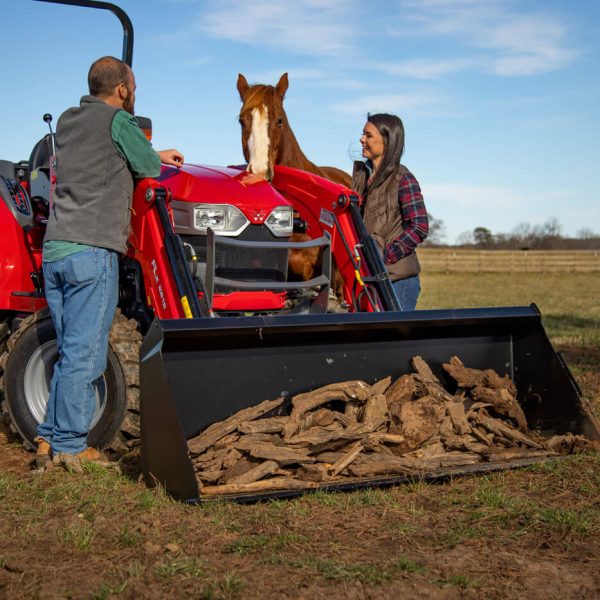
[(125, 342)]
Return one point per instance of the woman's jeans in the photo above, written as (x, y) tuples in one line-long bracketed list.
[(82, 294), (407, 291)]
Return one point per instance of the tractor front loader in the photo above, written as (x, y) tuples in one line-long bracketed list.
[(211, 323)]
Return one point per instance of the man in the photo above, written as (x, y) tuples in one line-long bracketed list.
[(100, 150)]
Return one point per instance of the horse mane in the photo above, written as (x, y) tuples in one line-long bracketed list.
[(258, 96)]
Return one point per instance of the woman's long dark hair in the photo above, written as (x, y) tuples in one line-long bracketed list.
[(392, 130)]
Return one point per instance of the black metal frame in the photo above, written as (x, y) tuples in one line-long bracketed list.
[(119, 12), (323, 281)]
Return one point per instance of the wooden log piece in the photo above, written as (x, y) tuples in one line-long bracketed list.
[(268, 425), (380, 387), (456, 412), (258, 472), (264, 485), (503, 403), (501, 429), (219, 430), (348, 457), (281, 454), (376, 408)]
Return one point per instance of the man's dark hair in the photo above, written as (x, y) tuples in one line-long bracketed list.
[(106, 74)]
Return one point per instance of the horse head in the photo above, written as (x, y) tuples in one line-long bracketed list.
[(262, 119)]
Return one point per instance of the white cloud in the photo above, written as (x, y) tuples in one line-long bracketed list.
[(513, 43), (313, 27), (390, 103)]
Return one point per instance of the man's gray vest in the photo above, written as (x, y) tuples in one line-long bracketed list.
[(93, 183)]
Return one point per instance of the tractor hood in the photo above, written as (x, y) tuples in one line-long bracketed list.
[(222, 185)]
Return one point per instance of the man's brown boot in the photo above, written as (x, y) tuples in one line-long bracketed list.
[(43, 453), (72, 462)]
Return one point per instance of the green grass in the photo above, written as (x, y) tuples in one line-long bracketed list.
[(568, 302)]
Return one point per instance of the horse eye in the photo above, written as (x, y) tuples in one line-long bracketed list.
[(279, 122), (241, 122)]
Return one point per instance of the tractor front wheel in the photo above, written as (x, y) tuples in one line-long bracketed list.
[(28, 364)]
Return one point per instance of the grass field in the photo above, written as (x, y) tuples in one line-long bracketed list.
[(531, 533)]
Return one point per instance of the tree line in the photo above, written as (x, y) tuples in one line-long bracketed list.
[(524, 236)]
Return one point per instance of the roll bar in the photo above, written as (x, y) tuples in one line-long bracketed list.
[(119, 12)]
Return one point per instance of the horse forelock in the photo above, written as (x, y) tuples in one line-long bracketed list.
[(258, 96)]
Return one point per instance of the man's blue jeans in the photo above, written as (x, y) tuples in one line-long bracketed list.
[(82, 294), (407, 291)]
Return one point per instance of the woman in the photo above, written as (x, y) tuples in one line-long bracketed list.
[(393, 207)]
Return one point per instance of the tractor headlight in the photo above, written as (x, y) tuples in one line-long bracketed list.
[(281, 221), (223, 219)]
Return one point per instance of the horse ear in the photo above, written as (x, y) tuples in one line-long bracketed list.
[(282, 85), (242, 85)]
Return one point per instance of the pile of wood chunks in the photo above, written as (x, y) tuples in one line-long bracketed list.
[(352, 431)]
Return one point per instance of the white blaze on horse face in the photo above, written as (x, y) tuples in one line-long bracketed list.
[(258, 142)]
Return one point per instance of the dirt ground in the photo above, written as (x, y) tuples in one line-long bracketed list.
[(529, 533)]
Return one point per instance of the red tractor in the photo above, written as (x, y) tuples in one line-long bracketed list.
[(205, 284)]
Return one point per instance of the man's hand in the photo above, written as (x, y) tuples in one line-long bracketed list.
[(171, 157)]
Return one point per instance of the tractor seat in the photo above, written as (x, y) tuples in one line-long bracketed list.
[(7, 169), (39, 169)]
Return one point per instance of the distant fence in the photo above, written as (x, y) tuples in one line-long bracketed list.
[(450, 260)]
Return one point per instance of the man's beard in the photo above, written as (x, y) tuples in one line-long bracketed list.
[(128, 104)]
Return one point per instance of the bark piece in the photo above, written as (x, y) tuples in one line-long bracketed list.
[(419, 421), (469, 378), (247, 442), (210, 476), (258, 472), (350, 456), (373, 465), (239, 468), (401, 391), (380, 387), (224, 442), (268, 425), (456, 411), (499, 428), (318, 418), (281, 454), (502, 402), (508, 454), (571, 444), (424, 370), (346, 391), (314, 472), (376, 408), (321, 435), (264, 485), (219, 430)]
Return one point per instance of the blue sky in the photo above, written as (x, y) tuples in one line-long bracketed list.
[(500, 98)]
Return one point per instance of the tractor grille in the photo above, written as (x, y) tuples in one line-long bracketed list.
[(247, 264)]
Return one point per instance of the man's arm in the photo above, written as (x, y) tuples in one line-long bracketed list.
[(142, 159)]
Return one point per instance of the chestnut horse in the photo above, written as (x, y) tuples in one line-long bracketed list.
[(267, 138)]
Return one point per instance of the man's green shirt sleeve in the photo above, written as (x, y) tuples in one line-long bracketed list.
[(130, 141)]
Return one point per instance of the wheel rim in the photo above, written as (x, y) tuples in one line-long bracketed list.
[(38, 374)]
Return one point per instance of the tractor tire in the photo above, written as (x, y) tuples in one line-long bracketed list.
[(27, 365)]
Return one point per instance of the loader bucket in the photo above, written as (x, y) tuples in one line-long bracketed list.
[(196, 372)]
